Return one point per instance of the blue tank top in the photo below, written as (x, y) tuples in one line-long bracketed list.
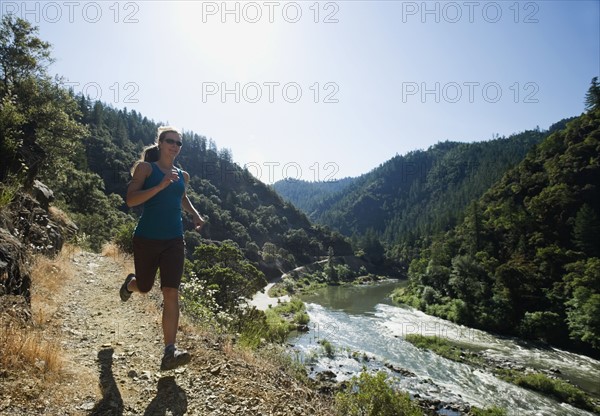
[(161, 217)]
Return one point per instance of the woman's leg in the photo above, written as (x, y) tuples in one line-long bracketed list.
[(171, 270), (170, 315), (145, 258)]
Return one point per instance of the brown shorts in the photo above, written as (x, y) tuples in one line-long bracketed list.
[(151, 255)]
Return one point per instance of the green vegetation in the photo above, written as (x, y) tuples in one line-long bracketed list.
[(490, 411), (524, 260), (294, 312), (123, 237), (289, 286), (8, 190), (371, 395), (274, 324), (444, 348), (552, 387), (328, 348), (226, 272)]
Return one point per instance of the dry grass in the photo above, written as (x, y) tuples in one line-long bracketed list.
[(36, 370), (48, 277), (59, 215), (124, 260), (29, 348)]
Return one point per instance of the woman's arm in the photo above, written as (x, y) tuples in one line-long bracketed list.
[(186, 204), (135, 194)]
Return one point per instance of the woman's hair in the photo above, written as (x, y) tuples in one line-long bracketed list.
[(162, 130), (152, 153)]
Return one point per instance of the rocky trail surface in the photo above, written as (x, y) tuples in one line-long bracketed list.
[(113, 349)]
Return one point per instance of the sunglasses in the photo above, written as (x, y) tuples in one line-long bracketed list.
[(171, 141)]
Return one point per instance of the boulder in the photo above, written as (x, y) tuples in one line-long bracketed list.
[(42, 194), (15, 276), (34, 227)]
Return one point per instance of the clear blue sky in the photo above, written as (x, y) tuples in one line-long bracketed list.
[(328, 89)]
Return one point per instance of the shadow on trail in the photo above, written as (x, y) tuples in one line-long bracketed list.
[(111, 403), (169, 396)]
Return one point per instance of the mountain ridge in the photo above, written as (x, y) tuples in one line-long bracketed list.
[(413, 195)]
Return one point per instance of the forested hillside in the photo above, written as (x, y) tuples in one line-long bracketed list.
[(526, 258), (410, 198)]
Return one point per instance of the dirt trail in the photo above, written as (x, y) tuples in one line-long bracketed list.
[(118, 345)]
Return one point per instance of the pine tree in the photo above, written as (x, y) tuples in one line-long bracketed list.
[(22, 53), (592, 97)]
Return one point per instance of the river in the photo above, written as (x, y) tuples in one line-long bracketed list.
[(363, 320)]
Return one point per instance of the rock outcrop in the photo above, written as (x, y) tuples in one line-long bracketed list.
[(26, 227), (14, 270)]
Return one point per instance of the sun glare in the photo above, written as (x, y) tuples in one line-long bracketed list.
[(236, 42)]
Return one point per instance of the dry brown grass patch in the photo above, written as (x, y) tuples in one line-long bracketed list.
[(36, 370), (59, 215), (48, 277), (29, 348)]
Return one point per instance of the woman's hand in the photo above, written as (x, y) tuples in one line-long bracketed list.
[(198, 221), (169, 178)]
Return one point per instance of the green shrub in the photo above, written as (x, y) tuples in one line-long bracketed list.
[(124, 237), (258, 326), (371, 395), (301, 318), (8, 189), (403, 295), (277, 326), (489, 411), (291, 307), (198, 303), (329, 350)]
